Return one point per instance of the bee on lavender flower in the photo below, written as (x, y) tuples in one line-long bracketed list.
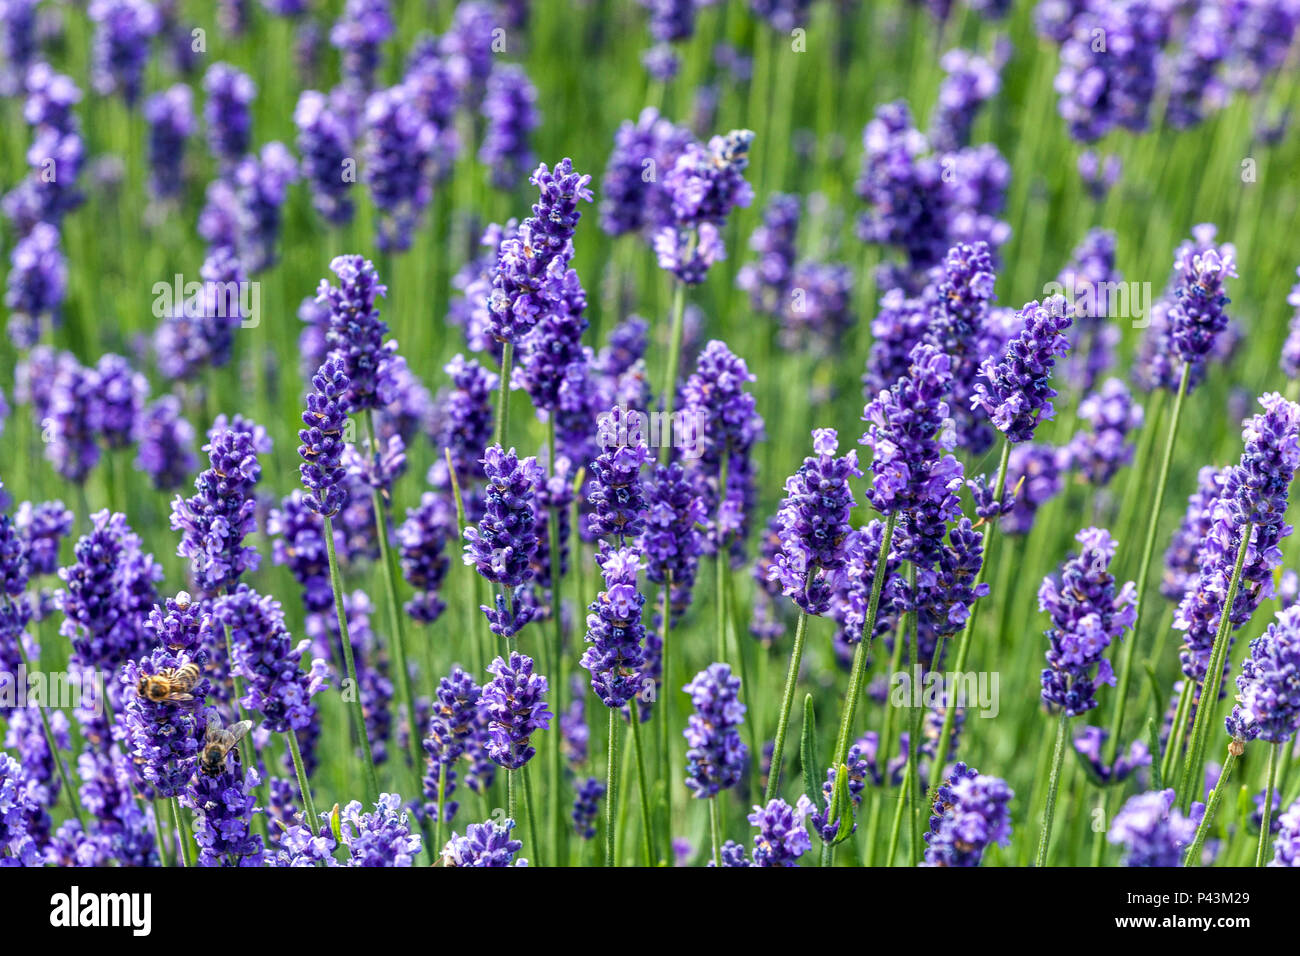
[(219, 741), (170, 686)]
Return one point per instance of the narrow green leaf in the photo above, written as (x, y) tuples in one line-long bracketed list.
[(1153, 744), (845, 801), (808, 754)]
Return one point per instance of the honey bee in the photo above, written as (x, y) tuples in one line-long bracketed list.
[(171, 685), (218, 741)]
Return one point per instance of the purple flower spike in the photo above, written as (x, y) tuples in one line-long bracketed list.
[(1197, 317), (502, 546), (226, 112), (325, 144), (423, 539), (275, 684), (170, 115), (1016, 392), (716, 757), (1268, 702), (484, 844), (164, 738), (515, 707), (971, 813), (1152, 831), (215, 519), (614, 629), (782, 837), (510, 108), (166, 444), (123, 32), (1087, 615), (814, 523), (1102, 450), (322, 440), (356, 332)]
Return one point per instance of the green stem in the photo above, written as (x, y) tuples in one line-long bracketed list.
[(1212, 807), (1267, 813), (714, 834), (503, 399), (896, 827), (858, 673), (182, 833), (662, 713), (914, 734), (963, 644), (1053, 786), (787, 699), (669, 391), (1174, 745), (395, 623), (643, 792), (1213, 678), (358, 717), (560, 686), (158, 825), (529, 808), (611, 788), (304, 785), (720, 563), (442, 814), (1144, 572), (884, 752)]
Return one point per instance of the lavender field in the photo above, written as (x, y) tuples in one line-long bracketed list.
[(660, 433)]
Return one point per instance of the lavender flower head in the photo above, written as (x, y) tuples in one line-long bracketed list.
[(671, 542), (37, 284), (704, 185), (615, 633), (399, 150), (170, 115), (1268, 699), (814, 523), (42, 526), (502, 546), (356, 332), (1016, 392), (322, 440), (484, 844), (165, 449), (1286, 848), (381, 837), (275, 684), (358, 34), (422, 539), (164, 738), (716, 757), (226, 112), (1152, 831), (215, 520), (124, 29), (1087, 614), (531, 265), (971, 813), (782, 837), (1103, 449), (107, 593), (325, 144), (510, 108), (1197, 316), (618, 504), (514, 704)]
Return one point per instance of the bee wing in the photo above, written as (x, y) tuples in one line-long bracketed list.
[(239, 731), (213, 733)]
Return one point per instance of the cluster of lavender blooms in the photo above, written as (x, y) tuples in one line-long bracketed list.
[(923, 202), (381, 837), (970, 813), (453, 726), (484, 844), (107, 593), (716, 758), (1286, 848), (781, 839), (1016, 391), (1111, 84), (1152, 831), (1252, 499), (275, 684), (813, 524), (223, 510), (502, 546), (1087, 613), (1268, 699), (971, 81), (703, 185), (1103, 449), (1189, 325), (730, 427), (514, 703)]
